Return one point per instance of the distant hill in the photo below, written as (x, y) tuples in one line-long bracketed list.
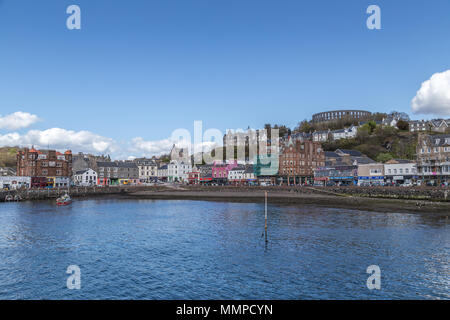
[(8, 156)]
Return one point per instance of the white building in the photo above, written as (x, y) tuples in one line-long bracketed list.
[(390, 121), (321, 136), (400, 171), (62, 182), (14, 182), (370, 174), (148, 169), (162, 172), (178, 171), (347, 133), (85, 178), (236, 174)]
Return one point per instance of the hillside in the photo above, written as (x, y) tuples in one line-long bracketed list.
[(8, 156), (383, 144)]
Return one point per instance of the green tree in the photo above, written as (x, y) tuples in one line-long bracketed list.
[(383, 157), (363, 133), (304, 126)]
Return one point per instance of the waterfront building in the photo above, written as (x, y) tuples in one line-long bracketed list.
[(162, 172), (85, 178), (148, 169), (194, 176), (61, 182), (298, 159), (48, 164), (200, 174), (128, 172), (108, 173), (400, 171), (14, 182), (219, 171), (250, 175), (178, 171), (341, 175), (433, 158), (371, 174), (236, 175), (265, 169)]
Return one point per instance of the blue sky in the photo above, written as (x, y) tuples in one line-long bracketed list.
[(144, 68)]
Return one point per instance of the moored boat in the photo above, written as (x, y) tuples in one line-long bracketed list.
[(64, 200)]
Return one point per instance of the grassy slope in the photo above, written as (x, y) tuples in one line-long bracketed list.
[(401, 145), (8, 156)]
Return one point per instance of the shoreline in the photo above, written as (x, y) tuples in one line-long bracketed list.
[(381, 200), (291, 198)]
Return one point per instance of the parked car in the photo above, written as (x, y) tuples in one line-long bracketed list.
[(407, 184)]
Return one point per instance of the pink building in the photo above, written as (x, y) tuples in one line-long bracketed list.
[(220, 171)]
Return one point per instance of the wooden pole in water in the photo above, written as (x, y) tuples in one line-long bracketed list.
[(265, 213)]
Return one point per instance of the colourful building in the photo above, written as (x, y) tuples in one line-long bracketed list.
[(220, 170)]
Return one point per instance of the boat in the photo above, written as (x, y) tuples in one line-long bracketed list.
[(64, 200)]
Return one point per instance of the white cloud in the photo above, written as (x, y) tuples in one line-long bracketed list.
[(158, 147), (86, 141), (61, 139), (148, 148), (17, 120), (434, 95)]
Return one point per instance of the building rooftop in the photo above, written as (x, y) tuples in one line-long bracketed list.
[(106, 164), (354, 153)]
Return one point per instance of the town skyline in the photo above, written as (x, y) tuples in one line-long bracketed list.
[(311, 57)]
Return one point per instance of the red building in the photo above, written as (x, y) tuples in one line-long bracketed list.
[(298, 159), (48, 164)]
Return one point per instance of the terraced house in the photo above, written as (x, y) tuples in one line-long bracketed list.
[(433, 158)]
